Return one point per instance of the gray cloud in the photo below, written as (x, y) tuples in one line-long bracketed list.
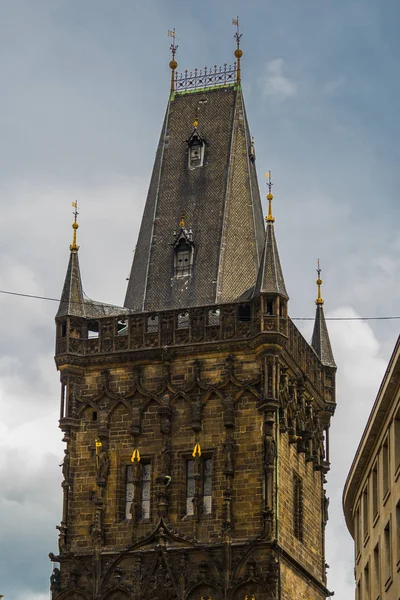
[(84, 92)]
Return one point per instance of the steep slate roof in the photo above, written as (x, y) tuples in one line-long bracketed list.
[(220, 201), (270, 276), (320, 339), (74, 302)]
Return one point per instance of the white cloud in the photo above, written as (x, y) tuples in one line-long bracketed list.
[(275, 83)]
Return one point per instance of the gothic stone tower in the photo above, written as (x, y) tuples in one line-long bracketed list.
[(196, 417)]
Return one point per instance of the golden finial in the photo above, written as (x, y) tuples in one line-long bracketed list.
[(75, 226), (173, 64), (270, 197), (182, 221), (319, 282), (196, 118), (238, 52), (196, 451), (135, 455)]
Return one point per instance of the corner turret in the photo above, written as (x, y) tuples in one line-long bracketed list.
[(270, 282)]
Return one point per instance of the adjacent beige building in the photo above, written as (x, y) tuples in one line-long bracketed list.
[(371, 498)]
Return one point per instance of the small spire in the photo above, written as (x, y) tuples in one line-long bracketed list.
[(173, 64), (270, 197), (320, 338), (74, 247), (270, 276), (238, 52), (182, 221), (319, 283)]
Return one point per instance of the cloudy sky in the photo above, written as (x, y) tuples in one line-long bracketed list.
[(84, 88)]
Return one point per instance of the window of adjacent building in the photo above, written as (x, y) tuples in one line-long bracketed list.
[(298, 506), (366, 583), (205, 485), (138, 491), (357, 524), (375, 491), (398, 533), (385, 466), (365, 512), (387, 562), (376, 574), (397, 441)]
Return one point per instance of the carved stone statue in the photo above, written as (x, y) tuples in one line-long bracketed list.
[(135, 510), (65, 465), (229, 412), (229, 452), (165, 420), (103, 467), (55, 581), (196, 417), (166, 458), (325, 509), (269, 450)]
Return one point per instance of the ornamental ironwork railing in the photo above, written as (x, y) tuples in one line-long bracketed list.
[(206, 78)]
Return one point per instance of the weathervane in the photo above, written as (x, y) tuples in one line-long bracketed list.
[(173, 64), (319, 283), (238, 52)]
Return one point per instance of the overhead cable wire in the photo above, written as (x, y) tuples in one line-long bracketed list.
[(87, 302)]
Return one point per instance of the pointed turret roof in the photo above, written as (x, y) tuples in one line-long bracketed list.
[(270, 276), (72, 299), (320, 338)]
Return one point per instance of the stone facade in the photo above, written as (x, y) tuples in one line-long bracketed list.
[(258, 403)]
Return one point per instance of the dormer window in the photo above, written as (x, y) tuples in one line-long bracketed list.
[(196, 152), (183, 258)]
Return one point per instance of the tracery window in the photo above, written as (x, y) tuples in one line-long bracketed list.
[(138, 491), (205, 485)]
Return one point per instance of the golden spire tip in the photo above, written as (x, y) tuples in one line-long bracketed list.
[(319, 283), (182, 221), (270, 197), (74, 247)]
